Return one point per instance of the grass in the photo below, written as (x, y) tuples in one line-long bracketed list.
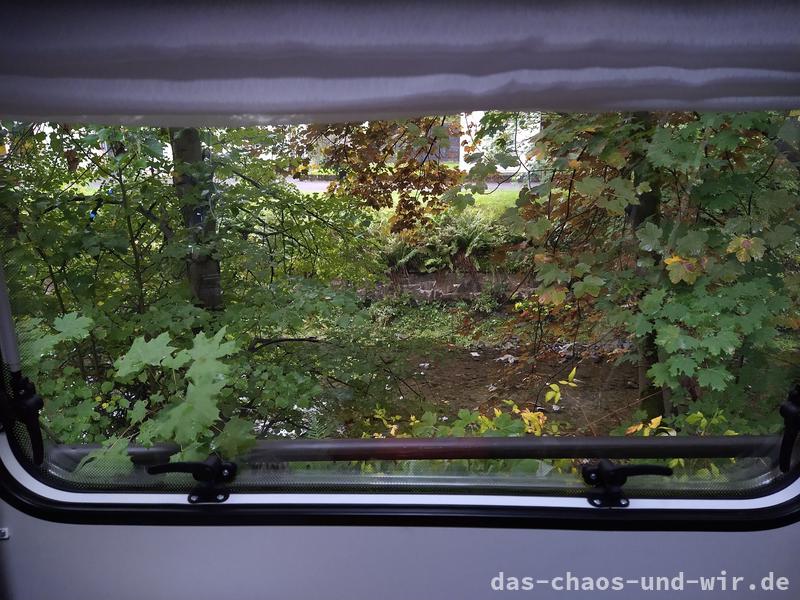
[(496, 203), (435, 324), (493, 204)]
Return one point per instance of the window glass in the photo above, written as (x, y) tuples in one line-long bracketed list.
[(181, 293)]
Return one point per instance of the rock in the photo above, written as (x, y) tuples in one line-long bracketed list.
[(512, 343), (507, 358)]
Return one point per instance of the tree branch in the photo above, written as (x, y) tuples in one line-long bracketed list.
[(259, 343)]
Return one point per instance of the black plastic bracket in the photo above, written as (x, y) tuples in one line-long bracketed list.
[(608, 478), (22, 403), (211, 474), (790, 411)]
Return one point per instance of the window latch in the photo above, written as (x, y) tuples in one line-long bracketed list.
[(790, 411), (211, 474), (608, 478), (23, 404)]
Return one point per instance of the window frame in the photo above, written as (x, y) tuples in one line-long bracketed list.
[(24, 492)]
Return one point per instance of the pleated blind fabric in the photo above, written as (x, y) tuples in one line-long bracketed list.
[(231, 63)]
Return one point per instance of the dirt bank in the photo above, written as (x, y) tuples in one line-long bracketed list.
[(451, 378)]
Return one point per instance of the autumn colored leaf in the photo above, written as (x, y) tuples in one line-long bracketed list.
[(747, 248), (634, 428), (682, 269), (554, 295)]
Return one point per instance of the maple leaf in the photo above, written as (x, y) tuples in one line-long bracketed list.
[(649, 236), (550, 273), (236, 438), (693, 243), (672, 339), (112, 457), (681, 364), (682, 269), (591, 285), (137, 413), (724, 341), (72, 326), (536, 229), (144, 353), (205, 355), (622, 194), (651, 303), (715, 378), (746, 248), (554, 295), (641, 325), (659, 374), (590, 186), (634, 428)]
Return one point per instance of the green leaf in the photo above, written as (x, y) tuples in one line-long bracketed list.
[(613, 157), (591, 285), (672, 339), (780, 235), (724, 341), (236, 438), (181, 359), (590, 186), (205, 354), (153, 147), (549, 273), (190, 420), (641, 325), (649, 236), (144, 353), (726, 140), (554, 295), (651, 303), (72, 326), (675, 311), (623, 194), (111, 460), (681, 364), (674, 149), (580, 269), (34, 345), (137, 413), (715, 378), (790, 132), (536, 229), (426, 426), (693, 243), (571, 376), (659, 374)]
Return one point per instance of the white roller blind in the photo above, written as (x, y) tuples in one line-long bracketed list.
[(228, 63)]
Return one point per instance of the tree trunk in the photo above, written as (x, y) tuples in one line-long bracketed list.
[(653, 400), (191, 181)]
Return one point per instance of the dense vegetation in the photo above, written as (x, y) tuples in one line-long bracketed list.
[(171, 285)]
